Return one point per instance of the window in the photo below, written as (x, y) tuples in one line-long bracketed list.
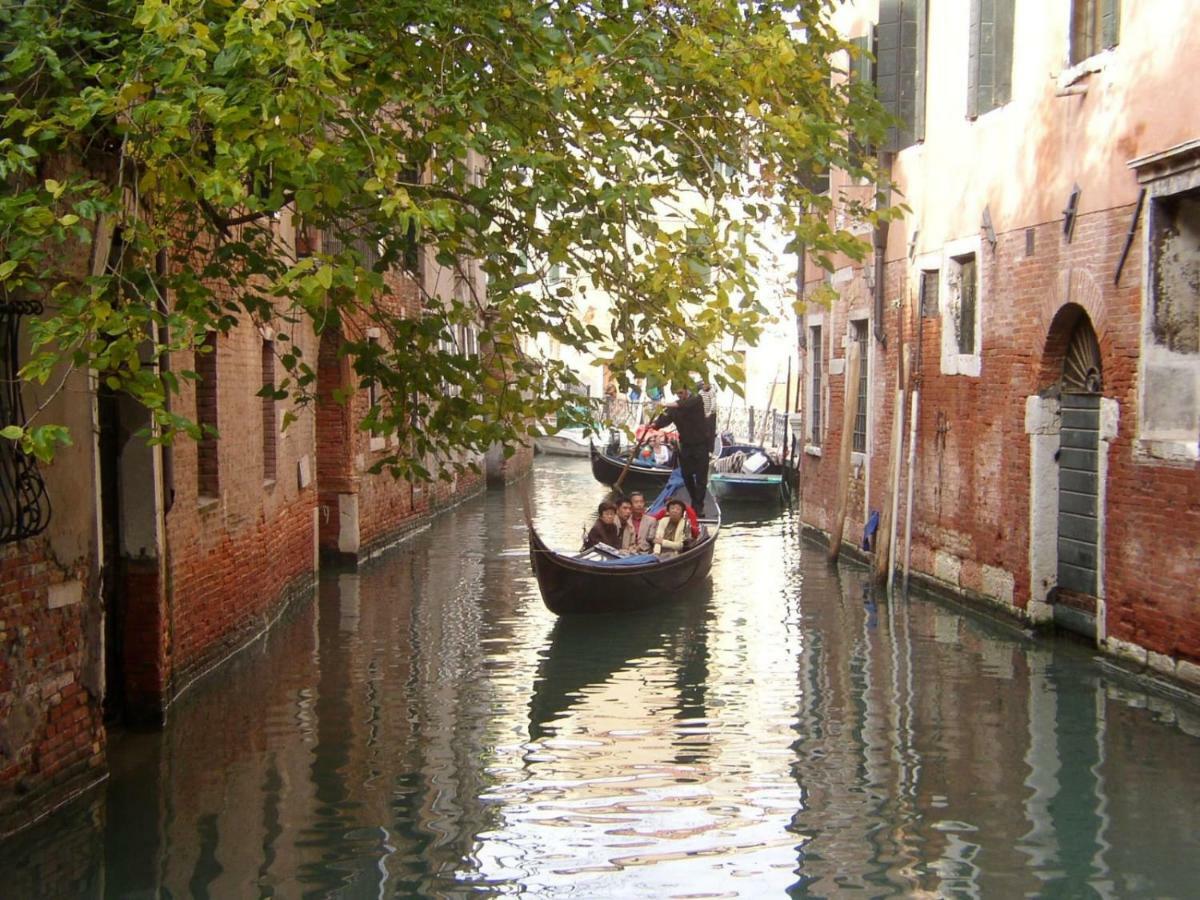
[(270, 431), (900, 68), (1095, 26), (990, 55), (858, 441), (1168, 420), (554, 273), (207, 464), (963, 301), (373, 383), (1175, 272), (699, 267), (960, 297), (929, 292), (816, 355)]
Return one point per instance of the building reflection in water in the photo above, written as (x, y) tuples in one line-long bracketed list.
[(425, 727)]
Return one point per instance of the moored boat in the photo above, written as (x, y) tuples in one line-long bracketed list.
[(607, 469), (565, 442), (765, 484)]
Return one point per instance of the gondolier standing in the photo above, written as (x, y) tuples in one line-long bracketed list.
[(687, 414)]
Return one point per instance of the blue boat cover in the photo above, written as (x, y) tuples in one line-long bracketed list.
[(674, 483), (638, 560)]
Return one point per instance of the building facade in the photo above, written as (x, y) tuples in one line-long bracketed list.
[(1038, 304), (128, 570)]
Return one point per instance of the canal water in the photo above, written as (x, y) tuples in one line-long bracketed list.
[(426, 728)]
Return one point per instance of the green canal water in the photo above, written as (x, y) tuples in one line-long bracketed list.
[(424, 727)]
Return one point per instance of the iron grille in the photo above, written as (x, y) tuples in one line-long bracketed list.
[(24, 505)]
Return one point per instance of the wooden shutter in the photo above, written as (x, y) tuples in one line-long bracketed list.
[(1005, 29), (973, 43), (862, 67), (922, 39), (899, 53), (1110, 21), (989, 55), (887, 63)]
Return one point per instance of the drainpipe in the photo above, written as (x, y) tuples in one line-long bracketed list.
[(880, 249)]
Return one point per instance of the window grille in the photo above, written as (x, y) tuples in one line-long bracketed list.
[(814, 417), (208, 482), (929, 292), (24, 505), (965, 322), (858, 441), (270, 437)]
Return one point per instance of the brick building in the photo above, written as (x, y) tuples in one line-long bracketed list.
[(1042, 284), (141, 568)]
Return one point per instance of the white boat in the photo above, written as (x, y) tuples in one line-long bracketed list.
[(567, 442)]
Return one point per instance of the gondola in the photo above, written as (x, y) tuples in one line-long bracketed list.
[(767, 485), (607, 468), (595, 582)]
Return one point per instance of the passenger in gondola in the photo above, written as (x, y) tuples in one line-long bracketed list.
[(637, 528), (606, 530), (662, 452), (689, 514), (673, 535)]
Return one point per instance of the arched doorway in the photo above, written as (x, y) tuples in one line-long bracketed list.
[(1079, 480)]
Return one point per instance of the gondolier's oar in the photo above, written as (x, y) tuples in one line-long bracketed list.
[(632, 453)]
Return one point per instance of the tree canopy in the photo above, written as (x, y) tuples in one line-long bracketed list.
[(515, 134)]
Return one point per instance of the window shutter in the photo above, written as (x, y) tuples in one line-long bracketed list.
[(1005, 17), (1111, 21), (908, 69), (862, 68), (887, 62), (921, 66), (973, 60)]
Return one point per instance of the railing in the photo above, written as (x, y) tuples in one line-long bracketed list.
[(747, 424)]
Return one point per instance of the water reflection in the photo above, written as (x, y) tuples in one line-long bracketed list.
[(426, 728)]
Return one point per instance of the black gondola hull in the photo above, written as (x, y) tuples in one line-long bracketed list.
[(607, 469), (570, 588)]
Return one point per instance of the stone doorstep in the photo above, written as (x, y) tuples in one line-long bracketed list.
[(1181, 678)]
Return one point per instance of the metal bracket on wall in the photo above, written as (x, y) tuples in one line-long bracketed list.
[(986, 224), (1133, 224), (1070, 213)]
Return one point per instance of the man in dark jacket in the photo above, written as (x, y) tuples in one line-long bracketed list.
[(687, 414)]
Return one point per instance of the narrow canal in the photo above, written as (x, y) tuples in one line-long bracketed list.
[(427, 728)]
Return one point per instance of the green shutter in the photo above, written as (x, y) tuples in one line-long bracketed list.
[(989, 55), (862, 67), (922, 66), (887, 63), (1005, 18), (973, 42), (1111, 21), (908, 70)]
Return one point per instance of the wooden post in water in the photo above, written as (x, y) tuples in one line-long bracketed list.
[(885, 537), (849, 412)]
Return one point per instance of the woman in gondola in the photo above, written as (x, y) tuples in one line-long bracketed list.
[(673, 534), (606, 530)]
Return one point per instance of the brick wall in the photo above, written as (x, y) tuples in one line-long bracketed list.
[(971, 512), (234, 558), (51, 730)]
